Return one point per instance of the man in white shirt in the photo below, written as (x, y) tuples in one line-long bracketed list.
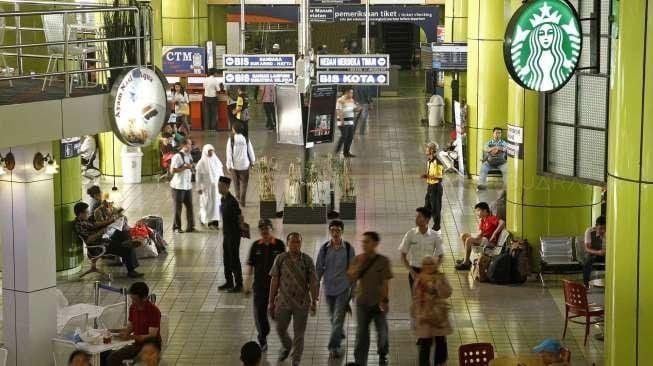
[(240, 158), (181, 168), (211, 89), (419, 242)]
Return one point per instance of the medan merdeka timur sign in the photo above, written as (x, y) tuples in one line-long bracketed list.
[(542, 44)]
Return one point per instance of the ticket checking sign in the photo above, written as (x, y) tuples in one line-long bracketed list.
[(258, 61), (353, 77), (353, 61), (259, 77)]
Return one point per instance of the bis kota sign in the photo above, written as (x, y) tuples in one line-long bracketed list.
[(542, 44)]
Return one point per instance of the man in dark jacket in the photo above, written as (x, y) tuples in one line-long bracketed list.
[(232, 219)]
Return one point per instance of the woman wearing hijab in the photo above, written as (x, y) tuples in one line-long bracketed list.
[(208, 171)]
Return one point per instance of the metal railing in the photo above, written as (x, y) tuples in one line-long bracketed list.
[(142, 40)]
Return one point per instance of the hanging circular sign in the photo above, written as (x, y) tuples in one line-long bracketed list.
[(139, 106), (542, 44)]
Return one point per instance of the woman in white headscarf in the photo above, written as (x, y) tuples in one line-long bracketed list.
[(208, 171)]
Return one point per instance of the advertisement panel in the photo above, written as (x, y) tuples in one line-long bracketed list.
[(184, 60), (321, 114), (289, 116), (70, 147), (138, 106)]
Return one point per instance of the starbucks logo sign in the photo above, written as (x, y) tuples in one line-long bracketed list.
[(542, 44)]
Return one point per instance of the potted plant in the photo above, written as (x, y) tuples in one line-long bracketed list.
[(347, 189), (266, 168)]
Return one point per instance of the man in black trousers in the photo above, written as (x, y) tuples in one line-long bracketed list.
[(433, 177), (231, 218)]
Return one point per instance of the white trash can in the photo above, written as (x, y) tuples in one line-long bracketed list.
[(132, 158), (436, 110)]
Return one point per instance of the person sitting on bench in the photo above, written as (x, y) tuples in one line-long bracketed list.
[(105, 233), (490, 228), (495, 158), (594, 247)]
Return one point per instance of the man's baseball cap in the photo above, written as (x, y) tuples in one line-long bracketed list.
[(262, 223)]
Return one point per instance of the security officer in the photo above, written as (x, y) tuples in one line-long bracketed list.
[(259, 262)]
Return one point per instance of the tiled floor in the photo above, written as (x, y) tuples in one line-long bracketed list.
[(208, 327)]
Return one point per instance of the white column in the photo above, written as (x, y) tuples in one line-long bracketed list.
[(29, 272)]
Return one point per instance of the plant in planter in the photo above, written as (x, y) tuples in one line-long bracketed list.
[(266, 168), (342, 170), (293, 192), (121, 24)]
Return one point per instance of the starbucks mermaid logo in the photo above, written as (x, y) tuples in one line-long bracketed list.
[(543, 44)]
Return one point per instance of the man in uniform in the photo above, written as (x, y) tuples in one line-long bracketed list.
[(259, 263)]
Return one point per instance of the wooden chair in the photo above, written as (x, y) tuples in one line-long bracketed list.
[(577, 306), (477, 354)]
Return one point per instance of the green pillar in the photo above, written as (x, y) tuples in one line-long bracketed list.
[(157, 34), (184, 23), (487, 78), (629, 295), (455, 30), (218, 24), (111, 158), (67, 192)]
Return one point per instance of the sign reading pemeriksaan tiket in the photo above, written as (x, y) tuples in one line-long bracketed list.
[(542, 44)]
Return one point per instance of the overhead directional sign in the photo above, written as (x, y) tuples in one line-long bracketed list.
[(353, 61), (258, 61), (353, 77), (259, 77)]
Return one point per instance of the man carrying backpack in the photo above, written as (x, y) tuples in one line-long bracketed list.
[(332, 262), (240, 159), (181, 168)]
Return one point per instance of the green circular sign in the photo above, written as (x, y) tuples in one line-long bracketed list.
[(542, 44)]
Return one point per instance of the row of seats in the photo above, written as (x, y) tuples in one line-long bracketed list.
[(564, 254)]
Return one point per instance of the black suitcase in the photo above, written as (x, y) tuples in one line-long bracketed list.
[(499, 270)]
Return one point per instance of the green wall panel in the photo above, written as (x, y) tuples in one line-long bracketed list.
[(67, 188), (218, 24)]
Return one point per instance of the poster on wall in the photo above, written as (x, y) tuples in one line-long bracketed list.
[(289, 116), (70, 147), (184, 60), (321, 114), (138, 106), (460, 137)]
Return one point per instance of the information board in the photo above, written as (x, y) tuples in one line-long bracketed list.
[(449, 56), (70, 147), (267, 61), (321, 114), (353, 78), (353, 61), (259, 77)]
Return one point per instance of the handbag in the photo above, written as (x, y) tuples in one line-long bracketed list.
[(245, 230), (184, 109)]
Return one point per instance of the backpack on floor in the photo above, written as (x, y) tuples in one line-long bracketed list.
[(499, 271), (520, 251)]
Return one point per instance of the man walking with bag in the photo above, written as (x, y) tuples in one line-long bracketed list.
[(373, 272), (231, 223), (332, 263), (293, 293)]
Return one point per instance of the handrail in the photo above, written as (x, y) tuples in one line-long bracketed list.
[(69, 11), (18, 46)]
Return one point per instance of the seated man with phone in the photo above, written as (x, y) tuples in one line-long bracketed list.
[(108, 233)]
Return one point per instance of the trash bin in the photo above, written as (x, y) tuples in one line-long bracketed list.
[(436, 110), (132, 158)]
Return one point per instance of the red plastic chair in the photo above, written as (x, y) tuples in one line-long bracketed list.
[(477, 354), (576, 306)]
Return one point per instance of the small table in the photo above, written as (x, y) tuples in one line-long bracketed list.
[(518, 360), (96, 349), (69, 312)]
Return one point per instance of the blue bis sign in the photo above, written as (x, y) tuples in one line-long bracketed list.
[(259, 77), (259, 61), (353, 78), (184, 60), (353, 61)]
